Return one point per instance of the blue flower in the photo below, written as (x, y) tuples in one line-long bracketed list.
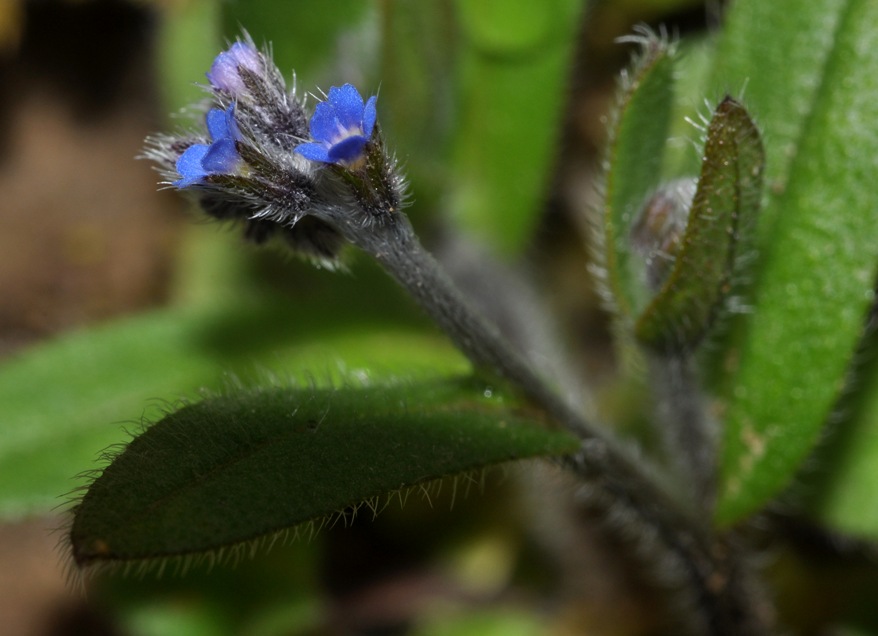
[(225, 72), (218, 157), (341, 127)]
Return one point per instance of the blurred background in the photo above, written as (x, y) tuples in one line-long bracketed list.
[(88, 239)]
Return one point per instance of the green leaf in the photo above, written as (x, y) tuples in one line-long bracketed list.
[(839, 491), (846, 494), (781, 96), (236, 468), (637, 140), (725, 206), (76, 392), (417, 73), (64, 401), (513, 65), (817, 258)]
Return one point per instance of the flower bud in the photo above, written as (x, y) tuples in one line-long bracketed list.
[(226, 73), (659, 228), (245, 76), (253, 167)]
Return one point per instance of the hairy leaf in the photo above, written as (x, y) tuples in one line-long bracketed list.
[(817, 262), (236, 468), (723, 211), (781, 96), (638, 137)]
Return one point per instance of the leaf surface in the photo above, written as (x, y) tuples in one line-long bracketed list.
[(786, 362), (232, 469)]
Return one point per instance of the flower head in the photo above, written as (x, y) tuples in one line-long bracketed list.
[(219, 157), (225, 73), (250, 167), (340, 127)]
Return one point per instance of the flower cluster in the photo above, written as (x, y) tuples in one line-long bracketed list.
[(265, 163)]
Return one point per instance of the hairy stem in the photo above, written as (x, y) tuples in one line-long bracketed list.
[(687, 430), (398, 250), (717, 593), (613, 482)]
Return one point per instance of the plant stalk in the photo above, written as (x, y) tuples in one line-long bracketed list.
[(721, 590)]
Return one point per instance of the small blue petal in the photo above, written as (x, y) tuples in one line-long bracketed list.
[(190, 167), (232, 123), (221, 124), (218, 124), (348, 149), (324, 123), (370, 114), (314, 152), (221, 157), (348, 105)]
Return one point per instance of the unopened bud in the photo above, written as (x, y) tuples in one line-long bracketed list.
[(658, 231)]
